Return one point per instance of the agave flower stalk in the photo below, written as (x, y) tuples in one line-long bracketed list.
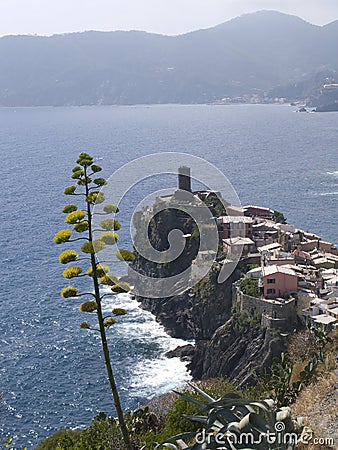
[(87, 189)]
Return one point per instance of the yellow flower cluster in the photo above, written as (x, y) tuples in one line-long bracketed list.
[(72, 272), (62, 236), (68, 256), (69, 291), (88, 306), (101, 270), (109, 322)]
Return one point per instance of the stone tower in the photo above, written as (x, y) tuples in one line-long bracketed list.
[(184, 179)]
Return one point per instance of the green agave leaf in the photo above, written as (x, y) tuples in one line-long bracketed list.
[(244, 409), (216, 426), (171, 446), (190, 399), (254, 420), (233, 395), (234, 428), (227, 403), (224, 415), (195, 418), (203, 394)]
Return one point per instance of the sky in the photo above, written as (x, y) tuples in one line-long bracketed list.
[(47, 17)]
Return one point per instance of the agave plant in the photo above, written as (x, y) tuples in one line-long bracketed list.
[(233, 422)]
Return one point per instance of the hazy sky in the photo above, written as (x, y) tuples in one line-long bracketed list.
[(158, 16)]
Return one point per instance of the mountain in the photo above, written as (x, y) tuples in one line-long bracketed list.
[(256, 53)]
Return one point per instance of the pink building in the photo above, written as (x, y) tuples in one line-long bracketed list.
[(279, 281)]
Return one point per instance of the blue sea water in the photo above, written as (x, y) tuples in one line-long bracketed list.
[(51, 372)]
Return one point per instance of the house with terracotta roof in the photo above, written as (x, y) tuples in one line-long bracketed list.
[(279, 281)]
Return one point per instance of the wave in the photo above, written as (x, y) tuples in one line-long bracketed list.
[(327, 193), (150, 373)]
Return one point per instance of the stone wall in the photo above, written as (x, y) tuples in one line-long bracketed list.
[(282, 313)]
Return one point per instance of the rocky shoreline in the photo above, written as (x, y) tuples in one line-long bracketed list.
[(223, 347)]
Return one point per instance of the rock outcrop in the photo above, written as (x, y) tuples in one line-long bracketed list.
[(238, 352), (226, 344)]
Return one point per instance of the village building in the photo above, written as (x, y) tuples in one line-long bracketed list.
[(240, 246), (279, 281), (258, 211), (235, 226)]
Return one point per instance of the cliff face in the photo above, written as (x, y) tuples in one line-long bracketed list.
[(226, 344), (236, 352), (198, 312)]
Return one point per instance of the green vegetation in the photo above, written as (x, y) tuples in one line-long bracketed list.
[(226, 419), (81, 221), (244, 320), (284, 382), (215, 405), (279, 217), (146, 428), (216, 206), (249, 286)]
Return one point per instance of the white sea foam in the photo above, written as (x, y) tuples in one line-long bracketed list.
[(156, 377), (328, 193), (153, 374)]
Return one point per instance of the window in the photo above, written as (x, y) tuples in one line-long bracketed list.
[(271, 280), (271, 291)]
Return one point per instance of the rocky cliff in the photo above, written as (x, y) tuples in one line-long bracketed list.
[(227, 343), (235, 351)]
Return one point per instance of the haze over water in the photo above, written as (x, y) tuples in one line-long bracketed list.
[(51, 371)]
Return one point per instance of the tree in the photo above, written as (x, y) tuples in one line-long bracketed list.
[(249, 286), (87, 190), (279, 217)]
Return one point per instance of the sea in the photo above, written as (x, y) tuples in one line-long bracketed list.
[(52, 374)]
